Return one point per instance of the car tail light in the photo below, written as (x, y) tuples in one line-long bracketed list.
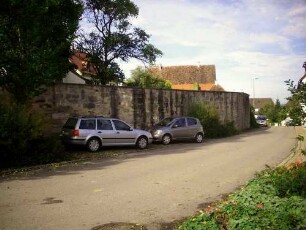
[(76, 133)]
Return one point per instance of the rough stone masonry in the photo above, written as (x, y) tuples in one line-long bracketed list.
[(138, 107)]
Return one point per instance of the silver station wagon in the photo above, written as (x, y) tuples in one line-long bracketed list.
[(95, 132), (178, 128)]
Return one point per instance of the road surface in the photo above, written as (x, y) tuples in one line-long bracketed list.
[(149, 187)]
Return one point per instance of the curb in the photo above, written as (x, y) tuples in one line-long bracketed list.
[(296, 154)]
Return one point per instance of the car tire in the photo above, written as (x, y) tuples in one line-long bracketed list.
[(199, 138), (166, 139), (142, 142), (93, 144)]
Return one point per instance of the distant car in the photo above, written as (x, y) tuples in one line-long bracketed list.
[(95, 132), (178, 128), (262, 120)]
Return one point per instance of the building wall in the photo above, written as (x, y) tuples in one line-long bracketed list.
[(138, 107), (73, 78)]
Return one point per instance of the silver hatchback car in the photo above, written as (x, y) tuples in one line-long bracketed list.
[(95, 132), (178, 128)]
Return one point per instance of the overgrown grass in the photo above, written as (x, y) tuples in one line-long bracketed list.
[(275, 199)]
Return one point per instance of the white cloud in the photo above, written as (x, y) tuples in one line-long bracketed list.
[(296, 26), (243, 39)]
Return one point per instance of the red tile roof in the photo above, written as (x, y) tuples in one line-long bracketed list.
[(81, 61)]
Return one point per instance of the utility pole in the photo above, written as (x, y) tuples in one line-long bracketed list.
[(253, 84)]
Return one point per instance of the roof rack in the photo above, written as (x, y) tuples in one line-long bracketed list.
[(90, 116)]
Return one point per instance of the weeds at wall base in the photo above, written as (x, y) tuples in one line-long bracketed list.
[(210, 121)]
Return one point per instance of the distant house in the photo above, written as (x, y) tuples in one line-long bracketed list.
[(189, 77), (83, 72), (259, 103)]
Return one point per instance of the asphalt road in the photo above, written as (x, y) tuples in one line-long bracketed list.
[(149, 187)]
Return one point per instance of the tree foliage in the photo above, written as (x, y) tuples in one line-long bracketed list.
[(144, 79), (253, 122), (113, 38), (275, 112), (35, 40), (210, 120), (297, 100)]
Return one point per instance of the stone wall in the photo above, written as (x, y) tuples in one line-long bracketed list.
[(138, 107)]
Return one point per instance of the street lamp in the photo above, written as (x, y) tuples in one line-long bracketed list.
[(253, 80)]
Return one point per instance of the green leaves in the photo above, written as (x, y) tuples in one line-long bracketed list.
[(297, 101), (300, 138), (144, 79), (114, 38), (35, 40), (276, 113), (209, 119)]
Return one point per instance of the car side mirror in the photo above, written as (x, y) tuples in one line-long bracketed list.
[(131, 129), (175, 126)]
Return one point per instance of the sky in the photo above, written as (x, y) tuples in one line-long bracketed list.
[(255, 45)]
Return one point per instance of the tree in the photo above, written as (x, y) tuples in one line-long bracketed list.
[(144, 79), (113, 38), (297, 100), (276, 113), (35, 40)]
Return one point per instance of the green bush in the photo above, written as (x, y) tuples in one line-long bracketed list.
[(253, 123), (22, 139), (17, 127), (209, 118), (292, 181)]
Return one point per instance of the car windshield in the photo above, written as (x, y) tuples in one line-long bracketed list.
[(261, 118), (166, 122)]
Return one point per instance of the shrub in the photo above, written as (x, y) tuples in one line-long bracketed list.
[(209, 118), (291, 181), (22, 139), (253, 123)]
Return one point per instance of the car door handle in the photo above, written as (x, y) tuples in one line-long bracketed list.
[(118, 132), (99, 132)]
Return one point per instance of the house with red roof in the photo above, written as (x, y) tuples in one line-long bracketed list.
[(83, 72), (189, 77)]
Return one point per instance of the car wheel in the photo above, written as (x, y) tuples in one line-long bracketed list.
[(93, 145), (166, 139), (199, 138), (142, 142)]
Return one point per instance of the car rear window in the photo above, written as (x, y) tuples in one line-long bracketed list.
[(191, 121), (70, 123), (261, 118), (88, 124)]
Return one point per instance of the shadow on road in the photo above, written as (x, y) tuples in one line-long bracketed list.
[(121, 155)]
